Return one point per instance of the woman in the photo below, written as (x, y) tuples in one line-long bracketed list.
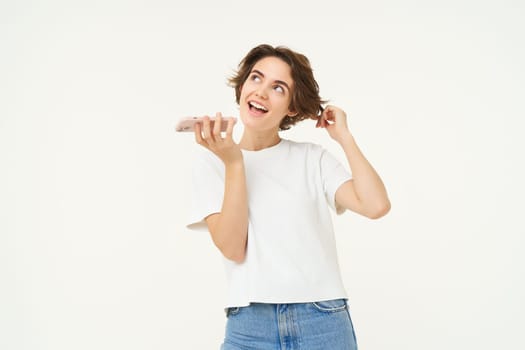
[(265, 202)]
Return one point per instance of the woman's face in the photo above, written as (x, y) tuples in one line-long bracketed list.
[(266, 94)]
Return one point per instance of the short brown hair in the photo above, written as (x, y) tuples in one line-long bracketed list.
[(305, 101)]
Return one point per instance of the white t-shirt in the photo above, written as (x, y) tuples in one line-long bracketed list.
[(291, 255)]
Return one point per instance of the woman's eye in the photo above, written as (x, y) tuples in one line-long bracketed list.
[(279, 88), (256, 78)]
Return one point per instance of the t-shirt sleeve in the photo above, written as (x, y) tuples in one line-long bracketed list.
[(333, 175), (207, 190)]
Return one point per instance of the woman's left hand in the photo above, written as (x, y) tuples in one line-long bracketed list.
[(333, 119)]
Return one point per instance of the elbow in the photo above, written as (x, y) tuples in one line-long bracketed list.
[(238, 255), (231, 245), (379, 210), (235, 252)]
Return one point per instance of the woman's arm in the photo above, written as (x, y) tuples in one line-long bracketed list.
[(365, 193), (229, 228)]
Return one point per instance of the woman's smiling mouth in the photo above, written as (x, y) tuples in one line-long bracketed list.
[(257, 108)]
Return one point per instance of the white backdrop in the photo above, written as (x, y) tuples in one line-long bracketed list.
[(94, 181)]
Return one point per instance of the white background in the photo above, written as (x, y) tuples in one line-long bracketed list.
[(94, 181)]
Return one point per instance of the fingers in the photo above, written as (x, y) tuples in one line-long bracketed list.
[(209, 132), (229, 129), (203, 135), (206, 129), (326, 118), (330, 116), (198, 134), (217, 127)]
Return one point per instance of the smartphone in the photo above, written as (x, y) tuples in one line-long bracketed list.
[(188, 124)]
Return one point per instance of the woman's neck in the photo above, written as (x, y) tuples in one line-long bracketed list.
[(257, 141)]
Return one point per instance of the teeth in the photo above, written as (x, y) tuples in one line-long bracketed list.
[(258, 106)]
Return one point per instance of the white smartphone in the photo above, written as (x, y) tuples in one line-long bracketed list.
[(188, 124)]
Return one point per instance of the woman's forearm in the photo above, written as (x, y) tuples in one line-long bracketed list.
[(230, 229)]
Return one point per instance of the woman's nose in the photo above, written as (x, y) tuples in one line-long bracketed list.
[(261, 92)]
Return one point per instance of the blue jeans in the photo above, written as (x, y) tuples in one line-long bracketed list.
[(324, 325)]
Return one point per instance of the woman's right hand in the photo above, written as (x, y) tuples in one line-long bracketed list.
[(222, 146), (229, 227)]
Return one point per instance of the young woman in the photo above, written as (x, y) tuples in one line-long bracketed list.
[(266, 200)]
